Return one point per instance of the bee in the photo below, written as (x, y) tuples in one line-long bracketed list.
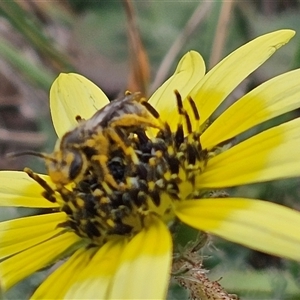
[(89, 144)]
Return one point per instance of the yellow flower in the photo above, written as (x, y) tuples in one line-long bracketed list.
[(136, 264)]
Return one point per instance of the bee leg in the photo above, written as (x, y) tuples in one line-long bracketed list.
[(49, 192), (79, 119), (116, 135), (99, 162), (130, 120)]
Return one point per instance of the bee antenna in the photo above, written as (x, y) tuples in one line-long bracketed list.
[(29, 152)]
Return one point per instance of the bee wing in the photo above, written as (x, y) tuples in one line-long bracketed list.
[(115, 109)]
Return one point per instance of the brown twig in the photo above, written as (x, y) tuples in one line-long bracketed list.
[(22, 138), (188, 271), (198, 16), (221, 32), (140, 73)]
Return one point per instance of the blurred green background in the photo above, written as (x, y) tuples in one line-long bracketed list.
[(40, 39)]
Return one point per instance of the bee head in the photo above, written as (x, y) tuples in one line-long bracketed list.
[(66, 166), (63, 166)]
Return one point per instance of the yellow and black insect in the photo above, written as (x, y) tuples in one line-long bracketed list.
[(90, 143)]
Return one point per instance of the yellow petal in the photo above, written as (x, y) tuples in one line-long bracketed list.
[(73, 95), (23, 264), (20, 234), (260, 225), (273, 98), (272, 154), (190, 70), (58, 282), (17, 189), (95, 278), (219, 82), (144, 265)]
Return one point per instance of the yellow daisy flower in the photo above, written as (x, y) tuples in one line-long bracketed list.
[(132, 260)]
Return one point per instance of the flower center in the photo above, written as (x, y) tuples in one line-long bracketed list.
[(164, 174)]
